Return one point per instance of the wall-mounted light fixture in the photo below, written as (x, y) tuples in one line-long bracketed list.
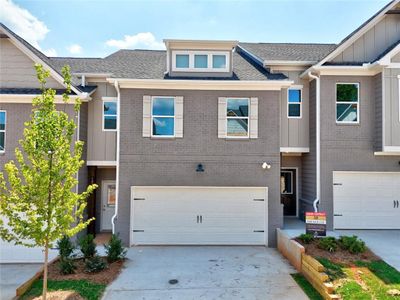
[(200, 168), (266, 166)]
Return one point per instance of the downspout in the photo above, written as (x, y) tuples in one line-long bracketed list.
[(318, 140), (114, 217)]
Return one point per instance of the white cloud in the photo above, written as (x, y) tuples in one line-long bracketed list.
[(22, 22), (50, 52), (75, 49), (142, 40)]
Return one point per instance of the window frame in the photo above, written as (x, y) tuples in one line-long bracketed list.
[(4, 130), (348, 102), (301, 102), (209, 54), (159, 116), (228, 117), (109, 99)]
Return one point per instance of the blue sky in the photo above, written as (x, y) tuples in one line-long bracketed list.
[(98, 28)]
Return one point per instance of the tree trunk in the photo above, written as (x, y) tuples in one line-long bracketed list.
[(46, 260)]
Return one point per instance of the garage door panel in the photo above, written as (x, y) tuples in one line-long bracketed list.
[(365, 200), (171, 215)]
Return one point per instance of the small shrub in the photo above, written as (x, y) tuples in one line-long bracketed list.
[(306, 238), (352, 243), (328, 243), (87, 246), (114, 249), (66, 266), (65, 247), (95, 264)]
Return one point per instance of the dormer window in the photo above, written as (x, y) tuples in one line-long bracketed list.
[(200, 61)]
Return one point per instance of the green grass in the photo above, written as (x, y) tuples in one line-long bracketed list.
[(310, 291), (333, 270), (352, 290), (382, 270), (88, 290)]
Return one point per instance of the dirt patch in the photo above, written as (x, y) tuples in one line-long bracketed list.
[(61, 295), (340, 256), (104, 277)]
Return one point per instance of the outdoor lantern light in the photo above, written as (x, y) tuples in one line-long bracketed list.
[(266, 166), (200, 168)]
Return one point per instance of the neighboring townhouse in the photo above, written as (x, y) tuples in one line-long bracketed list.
[(214, 142)]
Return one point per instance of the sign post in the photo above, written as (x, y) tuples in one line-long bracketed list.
[(316, 223)]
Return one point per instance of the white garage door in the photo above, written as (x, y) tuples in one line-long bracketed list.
[(199, 216), (366, 200)]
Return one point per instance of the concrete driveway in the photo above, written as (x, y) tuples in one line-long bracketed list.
[(384, 243), (205, 273), (12, 276)]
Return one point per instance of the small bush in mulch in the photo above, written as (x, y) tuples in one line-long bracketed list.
[(352, 243), (95, 264), (87, 246), (114, 249), (306, 238)]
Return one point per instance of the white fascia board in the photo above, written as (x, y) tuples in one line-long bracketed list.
[(295, 149), (24, 98), (101, 163), (230, 85), (364, 70), (288, 63)]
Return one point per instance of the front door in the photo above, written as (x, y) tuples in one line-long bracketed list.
[(288, 192), (108, 204)]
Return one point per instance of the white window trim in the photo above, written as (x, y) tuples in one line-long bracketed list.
[(209, 54), (301, 102), (398, 79), (348, 102), (108, 99), (248, 118), (5, 130), (159, 116), (291, 181)]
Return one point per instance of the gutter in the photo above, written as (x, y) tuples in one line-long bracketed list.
[(318, 140), (115, 216)]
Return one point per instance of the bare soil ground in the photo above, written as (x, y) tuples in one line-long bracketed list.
[(340, 256), (61, 295), (104, 277)]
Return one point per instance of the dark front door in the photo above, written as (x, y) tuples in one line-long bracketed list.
[(288, 192)]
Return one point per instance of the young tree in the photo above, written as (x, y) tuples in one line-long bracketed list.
[(38, 204)]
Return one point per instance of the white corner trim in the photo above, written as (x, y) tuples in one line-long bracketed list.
[(222, 85), (295, 149), (101, 163)]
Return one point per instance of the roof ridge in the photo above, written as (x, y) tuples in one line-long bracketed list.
[(287, 43)]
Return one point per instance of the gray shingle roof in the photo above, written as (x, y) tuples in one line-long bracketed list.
[(151, 64), (289, 51)]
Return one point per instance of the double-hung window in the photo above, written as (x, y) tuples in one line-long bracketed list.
[(2, 131), (110, 115), (294, 103), (347, 103), (237, 117), (163, 117)]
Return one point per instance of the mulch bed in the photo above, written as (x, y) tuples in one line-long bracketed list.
[(104, 277), (340, 256)]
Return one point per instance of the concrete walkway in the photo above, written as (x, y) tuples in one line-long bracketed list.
[(12, 276), (205, 273)]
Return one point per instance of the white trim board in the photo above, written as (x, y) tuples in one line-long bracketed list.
[(295, 149), (101, 163)]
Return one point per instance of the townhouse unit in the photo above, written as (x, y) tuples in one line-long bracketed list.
[(215, 142)]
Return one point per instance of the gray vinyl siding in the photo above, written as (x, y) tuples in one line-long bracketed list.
[(101, 174), (17, 115), (172, 162), (378, 142), (374, 42), (348, 147), (102, 145), (83, 124), (295, 132), (391, 108), (308, 175), (17, 70)]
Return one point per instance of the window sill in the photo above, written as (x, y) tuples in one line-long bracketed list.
[(163, 138)]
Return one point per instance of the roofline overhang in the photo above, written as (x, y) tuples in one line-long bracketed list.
[(27, 98), (386, 59), (288, 63), (89, 74), (367, 69), (227, 85), (176, 44)]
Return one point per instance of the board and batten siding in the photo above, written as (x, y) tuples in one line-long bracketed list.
[(391, 104), (374, 42), (101, 145), (378, 142), (295, 131), (17, 69)]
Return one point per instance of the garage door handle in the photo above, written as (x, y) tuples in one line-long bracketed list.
[(201, 219), (198, 219)]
